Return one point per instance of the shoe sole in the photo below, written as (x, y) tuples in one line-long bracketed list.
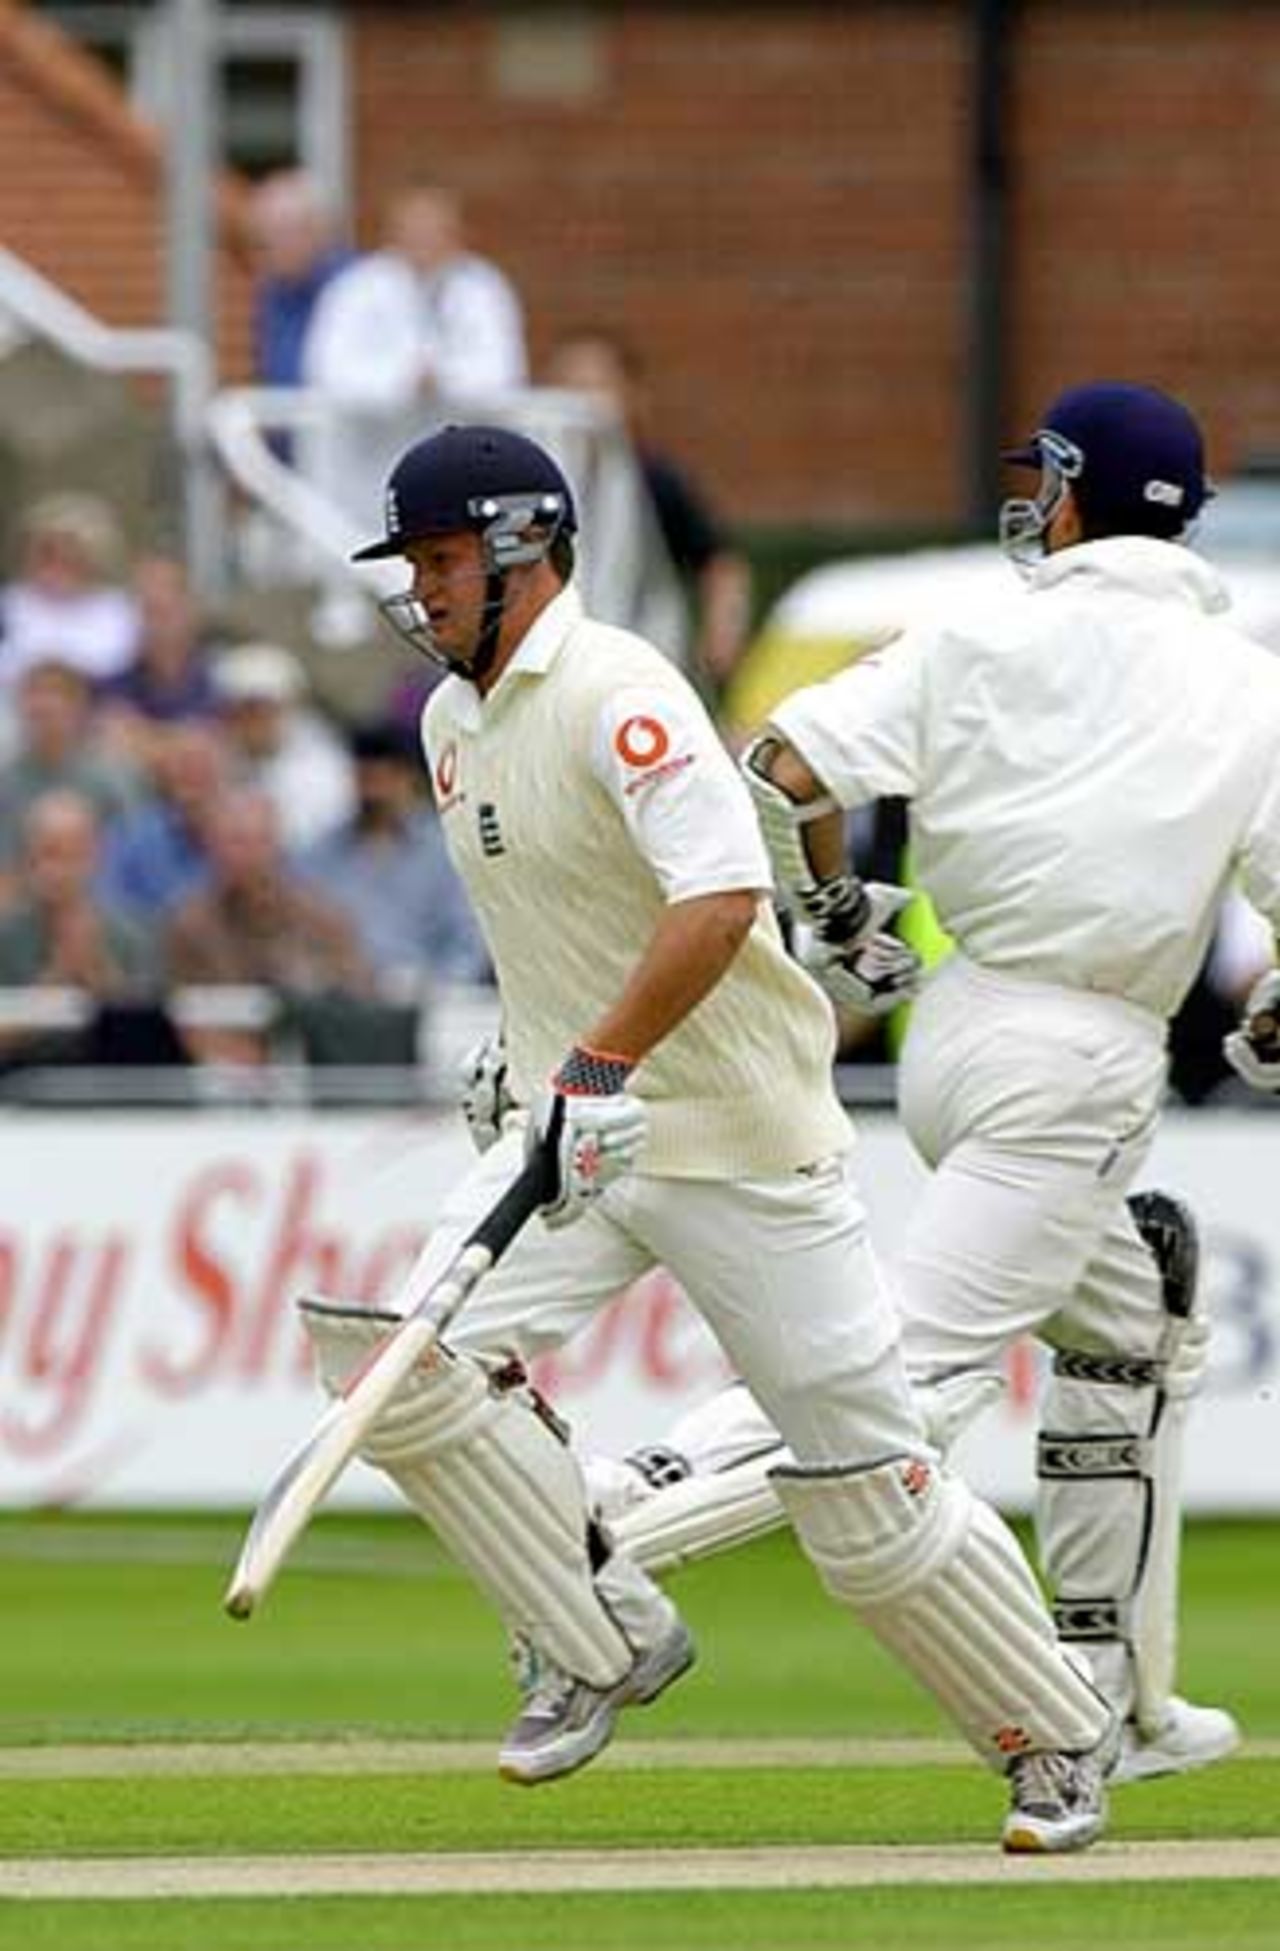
[(1024, 1839), (631, 1692)]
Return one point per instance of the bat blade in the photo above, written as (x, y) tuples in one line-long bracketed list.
[(314, 1468), (311, 1471)]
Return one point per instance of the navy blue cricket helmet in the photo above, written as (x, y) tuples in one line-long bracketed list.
[(495, 482), (1132, 456)]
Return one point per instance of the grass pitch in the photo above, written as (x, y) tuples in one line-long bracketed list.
[(111, 1632)]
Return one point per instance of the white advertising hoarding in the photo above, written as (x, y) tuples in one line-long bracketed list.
[(149, 1263)]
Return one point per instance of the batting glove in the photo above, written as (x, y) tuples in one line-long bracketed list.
[(860, 966), (1253, 1051), (592, 1127), (485, 1098)]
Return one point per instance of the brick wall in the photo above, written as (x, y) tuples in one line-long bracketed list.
[(1147, 206), (769, 201), (773, 201), (81, 187)]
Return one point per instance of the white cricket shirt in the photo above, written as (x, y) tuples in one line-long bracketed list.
[(1087, 766), (583, 794)]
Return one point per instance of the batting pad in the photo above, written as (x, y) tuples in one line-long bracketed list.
[(1110, 1463), (942, 1584), (498, 1486), (732, 1500), (700, 1515)]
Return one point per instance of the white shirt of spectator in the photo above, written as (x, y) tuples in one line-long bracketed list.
[(1087, 763), (95, 633), (395, 351)]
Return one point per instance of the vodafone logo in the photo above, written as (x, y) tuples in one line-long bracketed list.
[(641, 741), (446, 774)]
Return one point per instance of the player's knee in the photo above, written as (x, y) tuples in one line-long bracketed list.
[(876, 1535), (439, 1406), (948, 1404)]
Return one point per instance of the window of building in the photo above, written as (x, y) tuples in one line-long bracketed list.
[(283, 75)]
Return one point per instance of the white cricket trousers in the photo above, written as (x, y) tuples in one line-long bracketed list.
[(1035, 1106), (780, 1269)]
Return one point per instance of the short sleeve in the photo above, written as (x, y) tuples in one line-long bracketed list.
[(860, 731), (657, 755)]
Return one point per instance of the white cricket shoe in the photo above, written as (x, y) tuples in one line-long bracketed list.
[(1189, 1737), (1059, 1803), (564, 1722)]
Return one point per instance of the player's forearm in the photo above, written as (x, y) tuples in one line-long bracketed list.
[(824, 842), (690, 950)]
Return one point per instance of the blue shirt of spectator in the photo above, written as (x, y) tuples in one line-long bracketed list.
[(282, 313)]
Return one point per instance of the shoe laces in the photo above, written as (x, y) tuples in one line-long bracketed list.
[(1048, 1781), (543, 1685)]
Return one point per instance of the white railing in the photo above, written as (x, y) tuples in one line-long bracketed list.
[(32, 307), (306, 537), (303, 536)]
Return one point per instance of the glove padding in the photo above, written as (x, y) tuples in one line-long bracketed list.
[(486, 1100), (860, 966), (593, 1135), (1253, 1050)]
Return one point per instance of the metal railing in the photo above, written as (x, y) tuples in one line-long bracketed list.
[(624, 572), (32, 307), (46, 1028), (305, 537)]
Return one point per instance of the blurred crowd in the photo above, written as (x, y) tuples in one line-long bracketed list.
[(178, 813)]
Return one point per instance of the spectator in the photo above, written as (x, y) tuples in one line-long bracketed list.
[(402, 338), (57, 931), (389, 871), (56, 748), (157, 851), (716, 575), (256, 923), (280, 744), (65, 600), (298, 252), (168, 678)]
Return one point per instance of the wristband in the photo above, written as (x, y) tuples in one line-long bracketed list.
[(592, 1073)]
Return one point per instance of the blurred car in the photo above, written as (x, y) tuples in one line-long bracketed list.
[(834, 614)]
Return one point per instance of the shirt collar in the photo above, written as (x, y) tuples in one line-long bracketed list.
[(1139, 563), (534, 655), (543, 641)]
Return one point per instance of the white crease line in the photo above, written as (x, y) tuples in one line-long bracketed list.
[(92, 1761), (559, 1871)]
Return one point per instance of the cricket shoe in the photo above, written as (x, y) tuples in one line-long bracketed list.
[(564, 1723), (1059, 1803), (1188, 1737)]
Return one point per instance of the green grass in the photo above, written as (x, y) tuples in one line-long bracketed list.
[(1176, 1917), (598, 1809), (111, 1629)]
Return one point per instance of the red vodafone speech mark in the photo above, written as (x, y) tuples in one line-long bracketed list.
[(641, 741), (447, 771)]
